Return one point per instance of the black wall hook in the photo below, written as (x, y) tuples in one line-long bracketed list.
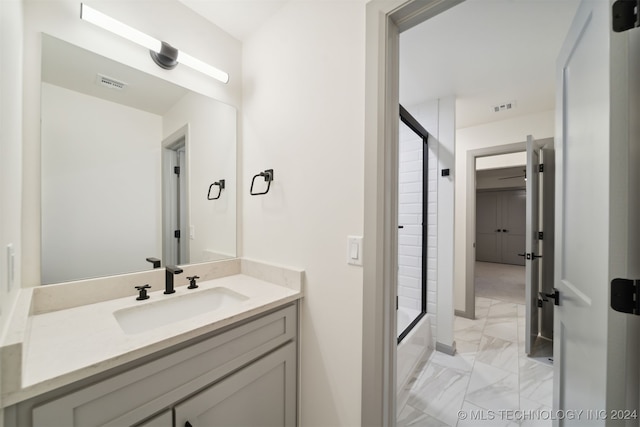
[(268, 177), (220, 185)]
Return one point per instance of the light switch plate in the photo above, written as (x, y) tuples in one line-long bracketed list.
[(354, 250)]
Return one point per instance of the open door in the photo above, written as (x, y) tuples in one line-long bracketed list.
[(532, 251), (547, 211), (175, 205), (596, 232)]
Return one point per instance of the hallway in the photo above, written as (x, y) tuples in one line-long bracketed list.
[(489, 372)]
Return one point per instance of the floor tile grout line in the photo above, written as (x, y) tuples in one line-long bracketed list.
[(475, 358), (511, 318)]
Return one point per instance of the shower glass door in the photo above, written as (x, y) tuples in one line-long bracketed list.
[(411, 302)]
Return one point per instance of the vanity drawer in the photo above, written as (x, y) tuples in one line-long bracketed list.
[(139, 393)]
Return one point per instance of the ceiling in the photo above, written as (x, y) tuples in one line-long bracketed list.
[(237, 17), (77, 69), (486, 52)]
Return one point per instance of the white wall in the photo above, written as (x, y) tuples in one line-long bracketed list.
[(212, 157), (540, 125), (303, 116), (11, 52), (170, 21), (501, 161), (89, 165)]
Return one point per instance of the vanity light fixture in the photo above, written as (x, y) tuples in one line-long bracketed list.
[(162, 53)]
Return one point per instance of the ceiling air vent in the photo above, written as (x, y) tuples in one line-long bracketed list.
[(505, 106), (110, 83)]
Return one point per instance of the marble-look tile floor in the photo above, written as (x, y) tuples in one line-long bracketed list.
[(489, 378)]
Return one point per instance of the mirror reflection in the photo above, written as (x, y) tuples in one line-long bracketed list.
[(128, 160)]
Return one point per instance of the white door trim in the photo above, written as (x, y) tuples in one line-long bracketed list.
[(179, 138), (472, 155), (384, 21)]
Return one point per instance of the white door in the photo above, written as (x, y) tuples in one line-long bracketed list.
[(592, 196), (532, 251), (547, 212), (175, 240)]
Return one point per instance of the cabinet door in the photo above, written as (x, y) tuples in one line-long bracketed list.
[(500, 226), (262, 394), (165, 419)]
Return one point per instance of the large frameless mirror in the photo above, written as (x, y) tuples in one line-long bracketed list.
[(133, 167)]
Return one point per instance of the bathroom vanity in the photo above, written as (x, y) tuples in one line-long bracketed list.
[(234, 365)]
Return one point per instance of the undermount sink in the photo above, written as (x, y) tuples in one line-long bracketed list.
[(173, 309)]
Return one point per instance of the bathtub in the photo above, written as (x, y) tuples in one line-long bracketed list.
[(413, 349)]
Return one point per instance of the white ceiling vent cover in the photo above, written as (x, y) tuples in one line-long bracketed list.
[(505, 106), (110, 82)]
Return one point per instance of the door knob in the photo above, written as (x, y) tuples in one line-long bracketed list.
[(498, 230), (505, 231)]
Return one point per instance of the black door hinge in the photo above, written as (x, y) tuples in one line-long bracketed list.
[(176, 234), (544, 297), (530, 256), (176, 170), (625, 15), (541, 167), (624, 296), (540, 235)]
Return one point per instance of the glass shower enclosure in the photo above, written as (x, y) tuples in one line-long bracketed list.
[(411, 303)]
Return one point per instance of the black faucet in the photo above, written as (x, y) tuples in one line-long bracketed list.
[(143, 292), (170, 271), (192, 282), (155, 262)]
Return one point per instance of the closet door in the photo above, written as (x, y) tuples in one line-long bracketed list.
[(488, 229), (513, 221), (500, 226)]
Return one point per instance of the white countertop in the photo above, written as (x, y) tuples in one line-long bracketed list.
[(63, 346)]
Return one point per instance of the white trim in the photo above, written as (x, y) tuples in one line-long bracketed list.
[(470, 305), (384, 21), (179, 138), (446, 349)]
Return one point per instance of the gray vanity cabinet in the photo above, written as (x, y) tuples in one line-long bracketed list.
[(164, 419), (262, 394), (243, 375)]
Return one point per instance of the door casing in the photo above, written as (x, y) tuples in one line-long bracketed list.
[(179, 140)]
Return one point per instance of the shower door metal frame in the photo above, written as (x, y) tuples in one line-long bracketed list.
[(416, 127)]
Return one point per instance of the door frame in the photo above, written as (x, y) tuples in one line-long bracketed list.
[(385, 19), (170, 145), (470, 218)]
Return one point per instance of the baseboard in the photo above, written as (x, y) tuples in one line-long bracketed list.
[(464, 314), (446, 349)]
